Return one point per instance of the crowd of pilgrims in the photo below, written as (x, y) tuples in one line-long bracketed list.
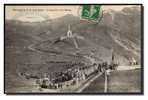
[(73, 76)]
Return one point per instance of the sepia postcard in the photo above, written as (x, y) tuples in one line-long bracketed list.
[(73, 49)]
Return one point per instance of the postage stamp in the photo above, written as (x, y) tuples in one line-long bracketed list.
[(91, 12)]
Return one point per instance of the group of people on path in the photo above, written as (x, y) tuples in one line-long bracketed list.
[(73, 76)]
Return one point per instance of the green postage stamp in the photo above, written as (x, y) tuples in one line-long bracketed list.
[(91, 12)]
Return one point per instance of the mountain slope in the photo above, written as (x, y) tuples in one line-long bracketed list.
[(118, 30)]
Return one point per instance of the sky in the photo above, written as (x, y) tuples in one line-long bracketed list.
[(40, 13)]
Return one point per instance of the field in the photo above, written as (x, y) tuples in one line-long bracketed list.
[(119, 81)]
